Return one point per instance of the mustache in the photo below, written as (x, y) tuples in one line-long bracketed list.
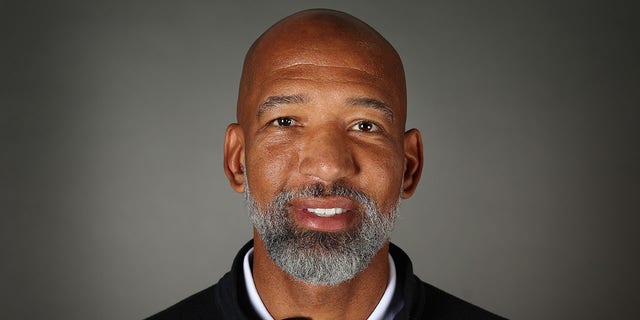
[(319, 190)]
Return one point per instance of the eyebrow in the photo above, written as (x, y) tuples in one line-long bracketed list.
[(373, 103), (274, 101)]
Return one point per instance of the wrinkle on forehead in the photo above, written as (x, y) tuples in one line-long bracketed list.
[(324, 65), (325, 70), (291, 80)]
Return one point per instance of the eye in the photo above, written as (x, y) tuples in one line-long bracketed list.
[(366, 126), (283, 122)]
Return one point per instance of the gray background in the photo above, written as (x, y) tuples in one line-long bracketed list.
[(115, 204)]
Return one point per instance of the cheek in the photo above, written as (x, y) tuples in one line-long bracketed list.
[(381, 175), (269, 167)]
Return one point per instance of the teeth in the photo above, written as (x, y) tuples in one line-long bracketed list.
[(326, 212)]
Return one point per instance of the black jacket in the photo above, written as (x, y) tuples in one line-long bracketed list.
[(228, 298)]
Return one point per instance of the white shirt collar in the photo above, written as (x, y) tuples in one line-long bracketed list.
[(383, 310)]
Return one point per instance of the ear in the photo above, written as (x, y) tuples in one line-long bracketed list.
[(234, 157), (413, 162)]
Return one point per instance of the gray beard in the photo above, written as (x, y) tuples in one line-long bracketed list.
[(321, 258)]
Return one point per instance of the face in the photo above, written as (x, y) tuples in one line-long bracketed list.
[(324, 124), (326, 114)]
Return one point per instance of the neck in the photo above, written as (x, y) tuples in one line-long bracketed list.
[(287, 297)]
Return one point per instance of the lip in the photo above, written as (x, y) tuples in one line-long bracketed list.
[(331, 223)]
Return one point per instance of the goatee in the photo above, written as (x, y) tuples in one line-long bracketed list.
[(315, 257)]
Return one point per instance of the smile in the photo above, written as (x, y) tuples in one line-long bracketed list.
[(326, 212)]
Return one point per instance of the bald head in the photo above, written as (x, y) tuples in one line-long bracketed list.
[(323, 38)]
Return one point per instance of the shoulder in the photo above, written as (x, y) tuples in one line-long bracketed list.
[(199, 306), (424, 301), (438, 304), (225, 300)]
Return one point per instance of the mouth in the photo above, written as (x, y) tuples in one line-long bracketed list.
[(326, 212)]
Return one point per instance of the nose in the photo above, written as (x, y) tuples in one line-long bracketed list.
[(326, 155)]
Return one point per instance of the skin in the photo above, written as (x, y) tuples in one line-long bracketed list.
[(322, 100)]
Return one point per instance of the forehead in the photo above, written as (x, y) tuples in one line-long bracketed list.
[(322, 82), (330, 48), (346, 68), (337, 53)]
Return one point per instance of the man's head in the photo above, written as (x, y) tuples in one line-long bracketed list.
[(321, 142)]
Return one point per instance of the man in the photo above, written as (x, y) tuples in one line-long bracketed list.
[(321, 154)]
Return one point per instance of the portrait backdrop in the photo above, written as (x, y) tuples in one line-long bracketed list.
[(115, 204)]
